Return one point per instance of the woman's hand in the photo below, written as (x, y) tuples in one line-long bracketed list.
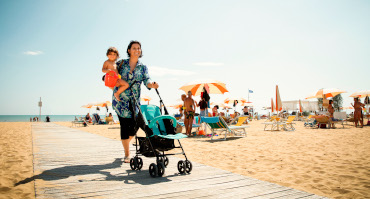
[(153, 85)]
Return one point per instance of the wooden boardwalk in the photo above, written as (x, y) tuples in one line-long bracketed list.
[(70, 163)]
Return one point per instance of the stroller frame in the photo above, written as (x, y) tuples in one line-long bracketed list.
[(136, 163)]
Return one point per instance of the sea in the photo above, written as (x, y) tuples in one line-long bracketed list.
[(53, 118)]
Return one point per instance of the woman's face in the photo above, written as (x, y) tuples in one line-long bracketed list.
[(135, 50)]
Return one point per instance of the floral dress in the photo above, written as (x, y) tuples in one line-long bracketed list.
[(134, 79)]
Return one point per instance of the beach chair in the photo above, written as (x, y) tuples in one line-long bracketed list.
[(274, 122), (339, 117), (322, 120), (219, 124), (239, 120), (181, 123), (288, 125), (79, 122)]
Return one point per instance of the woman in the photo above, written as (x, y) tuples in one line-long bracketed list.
[(358, 112), (331, 113), (134, 73)]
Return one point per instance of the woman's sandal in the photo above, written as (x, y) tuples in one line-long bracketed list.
[(126, 159)]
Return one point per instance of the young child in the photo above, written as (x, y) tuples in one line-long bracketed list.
[(110, 65)]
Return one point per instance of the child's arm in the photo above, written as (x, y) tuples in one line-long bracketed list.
[(105, 68)]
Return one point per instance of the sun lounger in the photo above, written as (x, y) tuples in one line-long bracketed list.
[(322, 120), (79, 122), (339, 117), (218, 124), (274, 122), (288, 125)]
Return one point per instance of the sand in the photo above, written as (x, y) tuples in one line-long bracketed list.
[(329, 162), (16, 160)]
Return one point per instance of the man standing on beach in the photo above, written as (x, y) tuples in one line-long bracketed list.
[(189, 111)]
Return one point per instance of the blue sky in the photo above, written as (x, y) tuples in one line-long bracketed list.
[(55, 49)]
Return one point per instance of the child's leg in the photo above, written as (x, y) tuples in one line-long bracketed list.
[(123, 85)]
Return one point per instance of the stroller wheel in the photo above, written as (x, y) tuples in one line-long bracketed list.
[(181, 166), (165, 161), (153, 170), (189, 166), (139, 163), (161, 169), (133, 163)]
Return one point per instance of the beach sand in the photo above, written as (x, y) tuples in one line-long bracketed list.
[(327, 162), (16, 160)]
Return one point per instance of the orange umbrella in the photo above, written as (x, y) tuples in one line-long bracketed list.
[(176, 106), (361, 94), (103, 104), (213, 86), (232, 99), (272, 105), (348, 107), (279, 104), (300, 106), (325, 93), (146, 98)]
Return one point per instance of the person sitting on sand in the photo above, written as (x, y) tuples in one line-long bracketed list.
[(189, 112), (88, 118), (358, 112), (110, 65)]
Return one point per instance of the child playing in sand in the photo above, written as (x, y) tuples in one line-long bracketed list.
[(110, 65)]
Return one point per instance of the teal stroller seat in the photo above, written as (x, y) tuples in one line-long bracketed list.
[(155, 121), (160, 136)]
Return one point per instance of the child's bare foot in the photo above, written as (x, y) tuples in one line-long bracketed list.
[(117, 96)]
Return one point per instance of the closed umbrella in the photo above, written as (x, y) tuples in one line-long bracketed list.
[(279, 104)]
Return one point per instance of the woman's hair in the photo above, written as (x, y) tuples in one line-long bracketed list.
[(129, 47), (113, 49), (330, 101)]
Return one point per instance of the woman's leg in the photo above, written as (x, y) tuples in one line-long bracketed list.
[(126, 145), (126, 127)]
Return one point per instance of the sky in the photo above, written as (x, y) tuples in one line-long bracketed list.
[(55, 49)]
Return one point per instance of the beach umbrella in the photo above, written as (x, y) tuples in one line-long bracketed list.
[(212, 87), (346, 108), (176, 106), (361, 94), (231, 100), (300, 106), (146, 98), (103, 104), (325, 93), (279, 104), (272, 105)]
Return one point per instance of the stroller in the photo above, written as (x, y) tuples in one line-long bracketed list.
[(160, 137)]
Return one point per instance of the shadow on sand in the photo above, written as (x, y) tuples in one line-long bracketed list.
[(128, 176)]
